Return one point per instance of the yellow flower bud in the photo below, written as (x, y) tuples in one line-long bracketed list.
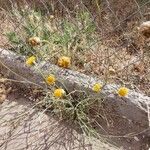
[(97, 87), (31, 60), (50, 79), (64, 62), (123, 91), (58, 93)]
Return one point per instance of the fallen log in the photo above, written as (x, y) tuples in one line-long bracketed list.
[(134, 107)]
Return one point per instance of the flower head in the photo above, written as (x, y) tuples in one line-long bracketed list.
[(58, 93), (64, 62), (50, 79), (30, 61), (123, 91), (34, 41), (97, 87)]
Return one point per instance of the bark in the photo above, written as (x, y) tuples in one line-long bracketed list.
[(133, 107)]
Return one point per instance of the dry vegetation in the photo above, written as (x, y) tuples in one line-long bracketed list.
[(101, 38), (115, 52)]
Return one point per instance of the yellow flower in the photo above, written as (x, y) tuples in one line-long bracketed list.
[(97, 87), (50, 79), (123, 91), (30, 61), (58, 93), (34, 41), (64, 62)]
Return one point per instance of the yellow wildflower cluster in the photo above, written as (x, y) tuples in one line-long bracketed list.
[(65, 62), (122, 91), (58, 93)]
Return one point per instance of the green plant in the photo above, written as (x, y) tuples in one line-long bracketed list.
[(59, 36), (44, 37), (76, 107)]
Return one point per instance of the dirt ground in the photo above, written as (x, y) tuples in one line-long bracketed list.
[(23, 126)]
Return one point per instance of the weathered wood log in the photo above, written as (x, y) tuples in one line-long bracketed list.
[(133, 107)]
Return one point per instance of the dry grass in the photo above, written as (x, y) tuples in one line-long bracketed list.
[(125, 51), (112, 50)]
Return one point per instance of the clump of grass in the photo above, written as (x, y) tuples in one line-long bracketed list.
[(65, 41), (58, 36), (75, 107), (48, 38), (77, 37)]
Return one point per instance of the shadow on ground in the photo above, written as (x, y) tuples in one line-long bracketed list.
[(23, 127)]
